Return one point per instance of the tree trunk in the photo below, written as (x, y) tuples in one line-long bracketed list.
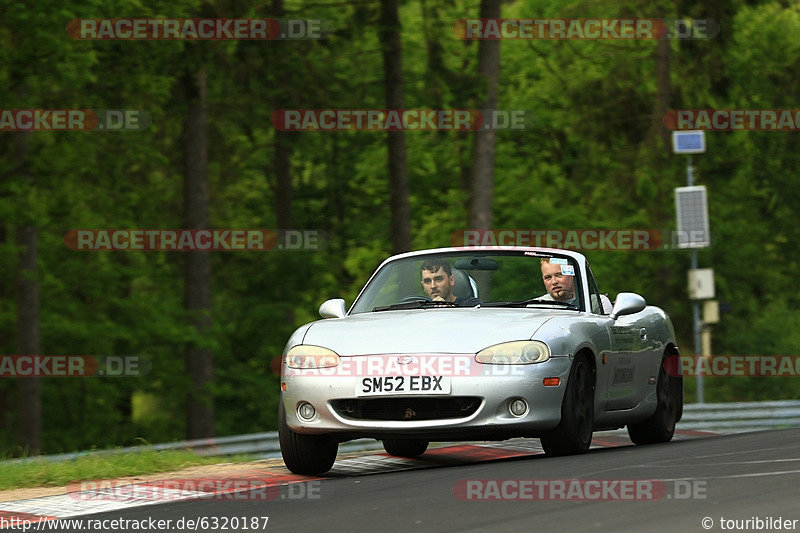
[(199, 359), (482, 190), (282, 146), (400, 223), (283, 180), (662, 103), (28, 343), (279, 56)]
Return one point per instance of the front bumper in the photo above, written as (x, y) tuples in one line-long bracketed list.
[(477, 406)]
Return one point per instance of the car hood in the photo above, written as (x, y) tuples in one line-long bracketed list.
[(427, 331)]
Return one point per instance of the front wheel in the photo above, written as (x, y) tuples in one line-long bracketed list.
[(573, 435), (669, 405), (305, 454), (405, 447)]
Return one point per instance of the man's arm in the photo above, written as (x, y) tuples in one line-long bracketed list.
[(606, 304), (470, 301)]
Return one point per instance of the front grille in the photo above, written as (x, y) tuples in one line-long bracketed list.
[(407, 408)]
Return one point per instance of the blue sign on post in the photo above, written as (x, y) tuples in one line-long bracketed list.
[(689, 142)]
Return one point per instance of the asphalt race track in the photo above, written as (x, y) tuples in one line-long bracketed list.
[(753, 476)]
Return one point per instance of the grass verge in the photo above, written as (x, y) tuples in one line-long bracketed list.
[(45, 473)]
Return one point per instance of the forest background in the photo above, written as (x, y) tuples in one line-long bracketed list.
[(596, 156)]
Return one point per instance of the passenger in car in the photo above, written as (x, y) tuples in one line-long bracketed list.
[(559, 282), (560, 285)]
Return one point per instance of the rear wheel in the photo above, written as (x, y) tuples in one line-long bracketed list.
[(405, 447), (669, 397), (305, 454), (573, 435)]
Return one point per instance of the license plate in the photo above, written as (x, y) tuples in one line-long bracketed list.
[(388, 385)]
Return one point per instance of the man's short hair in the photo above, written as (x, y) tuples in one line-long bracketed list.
[(433, 265)]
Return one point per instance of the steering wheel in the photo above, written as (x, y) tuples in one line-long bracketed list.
[(414, 298)]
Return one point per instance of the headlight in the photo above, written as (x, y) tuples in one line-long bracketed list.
[(310, 356), (514, 353)]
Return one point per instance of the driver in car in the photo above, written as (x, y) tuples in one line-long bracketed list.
[(438, 282)]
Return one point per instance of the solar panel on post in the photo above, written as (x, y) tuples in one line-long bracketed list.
[(691, 209)]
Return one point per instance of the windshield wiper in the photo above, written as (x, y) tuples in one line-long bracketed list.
[(416, 304), (525, 303)]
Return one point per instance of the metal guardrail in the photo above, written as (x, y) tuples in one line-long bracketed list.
[(723, 417), (741, 417)]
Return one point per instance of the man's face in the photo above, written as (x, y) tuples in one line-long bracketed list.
[(558, 285), (438, 285)]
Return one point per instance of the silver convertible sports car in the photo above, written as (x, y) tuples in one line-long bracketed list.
[(483, 343)]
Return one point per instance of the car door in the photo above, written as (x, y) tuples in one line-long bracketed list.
[(619, 366), (631, 373), (607, 350)]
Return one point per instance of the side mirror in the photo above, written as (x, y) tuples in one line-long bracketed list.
[(332, 308), (627, 303)]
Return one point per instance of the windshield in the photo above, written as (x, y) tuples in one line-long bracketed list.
[(471, 278)]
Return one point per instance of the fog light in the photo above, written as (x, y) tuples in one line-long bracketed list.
[(306, 411), (518, 407)]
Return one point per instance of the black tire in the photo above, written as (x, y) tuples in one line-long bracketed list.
[(661, 425), (405, 447), (573, 435), (305, 454)]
